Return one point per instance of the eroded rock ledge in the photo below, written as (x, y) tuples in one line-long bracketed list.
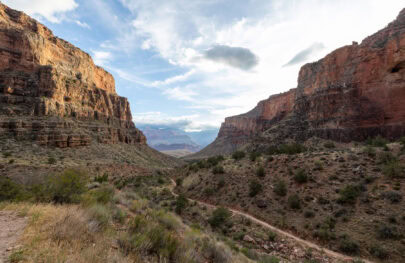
[(355, 92), (53, 93)]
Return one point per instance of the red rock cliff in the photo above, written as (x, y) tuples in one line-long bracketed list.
[(52, 92), (357, 91)]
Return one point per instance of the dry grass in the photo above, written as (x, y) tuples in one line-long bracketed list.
[(64, 233)]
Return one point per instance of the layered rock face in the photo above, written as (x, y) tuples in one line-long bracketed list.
[(357, 91), (52, 92)]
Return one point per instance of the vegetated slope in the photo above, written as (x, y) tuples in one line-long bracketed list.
[(355, 92), (347, 197), (58, 109)]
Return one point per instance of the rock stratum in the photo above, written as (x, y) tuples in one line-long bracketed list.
[(52, 92), (355, 92)]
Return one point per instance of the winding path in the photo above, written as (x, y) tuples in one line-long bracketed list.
[(306, 243), (11, 228)]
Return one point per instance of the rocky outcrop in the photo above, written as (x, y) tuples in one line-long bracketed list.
[(355, 92), (52, 92)]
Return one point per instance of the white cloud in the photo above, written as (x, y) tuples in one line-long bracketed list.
[(49, 9), (82, 24)]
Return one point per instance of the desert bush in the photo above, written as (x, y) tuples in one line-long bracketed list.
[(348, 246), (378, 141), (7, 154), (255, 187), (221, 183), (254, 155), (301, 176), (209, 191), (68, 186), (218, 170), (216, 252), (329, 145), (238, 155), (102, 195), (100, 217), (280, 188), (387, 232), (268, 259), (348, 194), (215, 160), (10, 190), (294, 202), (370, 151), (293, 148), (181, 203), (119, 215), (393, 196), (219, 217), (51, 160), (393, 169), (272, 236), (309, 214), (102, 178), (260, 172), (386, 157), (379, 252)]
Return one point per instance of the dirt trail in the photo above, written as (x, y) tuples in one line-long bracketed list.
[(306, 243), (11, 228)]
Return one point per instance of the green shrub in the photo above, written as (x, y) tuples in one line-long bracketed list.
[(68, 186), (348, 194), (348, 246), (293, 148), (378, 141), (294, 201), (10, 190), (309, 214), (102, 195), (280, 188), (301, 176), (219, 217), (393, 169), (179, 182), (101, 179), (329, 145), (255, 187), (51, 160), (218, 170), (238, 155), (7, 154), (370, 151), (260, 172), (379, 252), (209, 191), (221, 183), (254, 155), (386, 157), (100, 215), (272, 236), (215, 160), (181, 203), (387, 232), (393, 196), (268, 259)]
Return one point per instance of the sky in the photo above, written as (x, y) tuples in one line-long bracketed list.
[(191, 63)]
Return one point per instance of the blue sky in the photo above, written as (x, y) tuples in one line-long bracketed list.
[(191, 63)]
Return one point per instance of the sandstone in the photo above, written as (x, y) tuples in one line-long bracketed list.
[(52, 92), (355, 92)]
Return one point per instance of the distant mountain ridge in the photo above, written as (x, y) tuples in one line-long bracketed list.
[(167, 139)]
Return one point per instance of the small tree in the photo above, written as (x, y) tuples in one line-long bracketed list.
[(68, 186), (181, 203), (220, 216)]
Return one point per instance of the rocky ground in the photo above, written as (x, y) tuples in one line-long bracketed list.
[(346, 197)]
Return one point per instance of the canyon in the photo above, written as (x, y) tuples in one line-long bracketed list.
[(353, 93), (52, 93)]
